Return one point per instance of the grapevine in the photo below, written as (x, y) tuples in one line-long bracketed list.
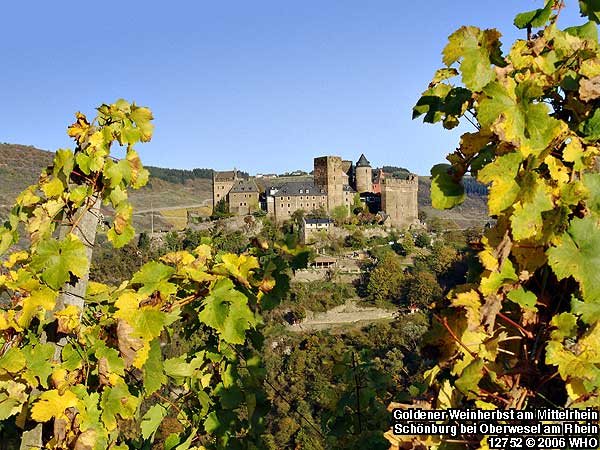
[(526, 333), (84, 367)]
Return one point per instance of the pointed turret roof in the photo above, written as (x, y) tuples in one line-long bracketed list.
[(362, 161)]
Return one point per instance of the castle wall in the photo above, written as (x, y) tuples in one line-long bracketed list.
[(243, 203), (399, 201)]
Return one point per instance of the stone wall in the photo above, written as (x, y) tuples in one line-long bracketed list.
[(399, 201)]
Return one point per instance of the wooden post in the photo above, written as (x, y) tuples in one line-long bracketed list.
[(71, 295)]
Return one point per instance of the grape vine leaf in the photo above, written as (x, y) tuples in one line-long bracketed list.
[(446, 192), (590, 9), (536, 18), (154, 276), (476, 49), (578, 255), (12, 397), (501, 173), (226, 310), (52, 404), (117, 401), (513, 113), (152, 419), (520, 296), (57, 260)]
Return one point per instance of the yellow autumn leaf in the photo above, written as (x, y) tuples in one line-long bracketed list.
[(68, 319), (7, 320), (43, 298), (488, 260), (14, 258), (178, 258), (52, 404)]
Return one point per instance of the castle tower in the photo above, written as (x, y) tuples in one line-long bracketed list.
[(364, 175), (399, 200), (222, 184), (330, 176)]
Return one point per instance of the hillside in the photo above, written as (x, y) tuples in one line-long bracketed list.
[(471, 213), (20, 166)]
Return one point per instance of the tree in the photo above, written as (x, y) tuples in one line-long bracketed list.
[(339, 213), (407, 246), (356, 240), (357, 206), (535, 143), (385, 280), (221, 210), (422, 240), (421, 288)]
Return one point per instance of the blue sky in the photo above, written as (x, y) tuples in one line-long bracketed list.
[(264, 86)]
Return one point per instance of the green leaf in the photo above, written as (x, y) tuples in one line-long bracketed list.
[(154, 276), (39, 363), (117, 401), (476, 49), (212, 423), (578, 255), (446, 192), (520, 296), (152, 420), (566, 325), (592, 182), (515, 116), (59, 259), (536, 18), (588, 30), (589, 312), (470, 377), (590, 128), (171, 441), (590, 9), (154, 376), (226, 310)]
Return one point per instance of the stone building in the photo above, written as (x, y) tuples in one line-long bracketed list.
[(399, 200), (297, 195), (222, 184), (311, 226), (335, 183), (243, 197)]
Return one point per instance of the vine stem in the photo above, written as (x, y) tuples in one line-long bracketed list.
[(444, 322), (527, 333)]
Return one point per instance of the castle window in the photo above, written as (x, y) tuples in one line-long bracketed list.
[(288, 205), (301, 191)]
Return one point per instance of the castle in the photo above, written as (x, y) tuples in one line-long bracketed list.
[(335, 183)]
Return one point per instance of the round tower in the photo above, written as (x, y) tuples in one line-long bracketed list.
[(364, 175)]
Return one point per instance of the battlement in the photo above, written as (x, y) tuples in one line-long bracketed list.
[(411, 180)]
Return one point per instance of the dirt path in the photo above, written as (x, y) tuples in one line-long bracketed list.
[(349, 312)]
